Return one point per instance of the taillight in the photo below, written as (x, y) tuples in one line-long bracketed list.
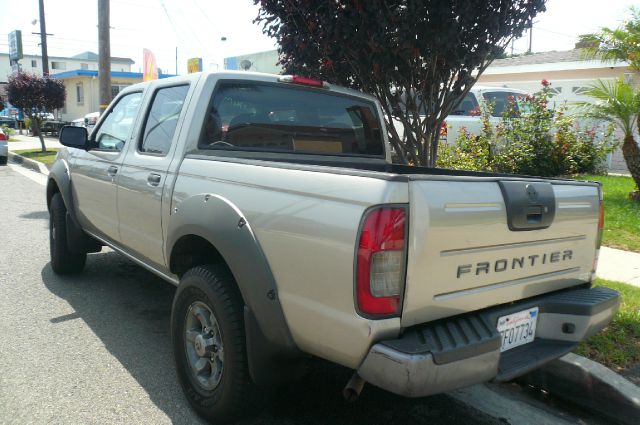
[(3, 136), (296, 79), (600, 231), (380, 262)]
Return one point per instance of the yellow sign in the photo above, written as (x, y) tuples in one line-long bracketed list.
[(194, 65)]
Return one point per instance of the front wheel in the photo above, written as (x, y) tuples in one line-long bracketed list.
[(207, 334), (63, 260)]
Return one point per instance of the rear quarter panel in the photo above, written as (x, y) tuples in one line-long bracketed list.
[(306, 224)]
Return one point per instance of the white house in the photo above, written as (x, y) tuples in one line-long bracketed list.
[(57, 64)]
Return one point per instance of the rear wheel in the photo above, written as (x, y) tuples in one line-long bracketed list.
[(3, 160), (207, 333), (63, 260)]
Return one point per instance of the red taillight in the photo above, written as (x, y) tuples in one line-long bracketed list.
[(3, 136), (601, 221), (600, 233), (296, 79), (381, 259)]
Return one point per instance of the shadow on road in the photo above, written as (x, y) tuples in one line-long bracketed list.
[(129, 309), (37, 215)]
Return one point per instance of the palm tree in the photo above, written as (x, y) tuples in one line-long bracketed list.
[(618, 102)]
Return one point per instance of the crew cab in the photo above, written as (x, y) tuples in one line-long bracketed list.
[(272, 204)]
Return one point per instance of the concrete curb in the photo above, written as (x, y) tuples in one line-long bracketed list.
[(36, 166), (590, 385)]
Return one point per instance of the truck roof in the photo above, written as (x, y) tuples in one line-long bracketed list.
[(241, 75)]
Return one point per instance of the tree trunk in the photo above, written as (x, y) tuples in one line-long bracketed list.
[(36, 124), (631, 153)]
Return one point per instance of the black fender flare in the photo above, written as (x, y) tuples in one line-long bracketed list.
[(223, 225), (59, 178)]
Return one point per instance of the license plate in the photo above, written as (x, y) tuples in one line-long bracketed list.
[(518, 328)]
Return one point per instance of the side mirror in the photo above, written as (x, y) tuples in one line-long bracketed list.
[(74, 137)]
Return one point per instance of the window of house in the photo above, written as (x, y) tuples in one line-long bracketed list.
[(84, 66), (117, 88), (162, 120), (58, 65), (34, 63), (79, 93)]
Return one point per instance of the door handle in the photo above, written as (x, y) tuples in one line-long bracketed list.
[(154, 179), (112, 171)]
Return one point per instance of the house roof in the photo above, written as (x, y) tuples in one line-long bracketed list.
[(548, 61), (542, 57), (90, 73), (92, 56)]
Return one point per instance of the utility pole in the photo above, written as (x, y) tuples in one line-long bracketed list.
[(104, 54), (530, 35), (43, 40)]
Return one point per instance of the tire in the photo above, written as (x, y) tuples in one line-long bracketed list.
[(63, 261), (222, 390), (3, 160)]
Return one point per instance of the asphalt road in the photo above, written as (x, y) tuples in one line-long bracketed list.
[(94, 349)]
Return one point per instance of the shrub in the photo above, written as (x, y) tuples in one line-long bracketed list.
[(530, 139)]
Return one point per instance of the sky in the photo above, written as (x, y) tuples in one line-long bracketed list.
[(196, 27)]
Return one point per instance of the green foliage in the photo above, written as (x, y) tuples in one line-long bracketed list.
[(618, 44), (530, 139), (8, 131), (616, 101), (419, 58), (618, 345), (621, 214)]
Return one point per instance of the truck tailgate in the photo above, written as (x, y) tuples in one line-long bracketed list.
[(478, 243)]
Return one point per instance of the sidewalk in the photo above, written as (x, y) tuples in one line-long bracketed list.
[(29, 142), (623, 266)]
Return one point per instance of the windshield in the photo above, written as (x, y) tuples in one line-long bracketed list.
[(277, 117)]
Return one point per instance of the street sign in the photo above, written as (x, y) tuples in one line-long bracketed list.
[(15, 45), (194, 65)]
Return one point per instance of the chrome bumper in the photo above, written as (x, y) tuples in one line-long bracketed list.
[(465, 350)]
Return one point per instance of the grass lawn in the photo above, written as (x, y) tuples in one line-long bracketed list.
[(621, 214), (46, 158), (618, 345)]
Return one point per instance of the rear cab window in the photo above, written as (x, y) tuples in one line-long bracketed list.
[(259, 116)]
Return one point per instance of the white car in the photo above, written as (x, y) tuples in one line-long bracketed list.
[(4, 148), (90, 120), (467, 113)]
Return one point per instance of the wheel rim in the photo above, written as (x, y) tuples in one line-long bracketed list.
[(203, 346)]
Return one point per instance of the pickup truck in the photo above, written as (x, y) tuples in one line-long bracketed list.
[(272, 204)]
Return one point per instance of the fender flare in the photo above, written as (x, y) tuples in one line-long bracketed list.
[(223, 225), (78, 240)]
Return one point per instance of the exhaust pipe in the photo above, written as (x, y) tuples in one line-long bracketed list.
[(352, 390)]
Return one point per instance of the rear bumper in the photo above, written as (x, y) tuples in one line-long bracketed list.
[(465, 350)]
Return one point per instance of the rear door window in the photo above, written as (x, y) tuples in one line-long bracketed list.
[(162, 120), (502, 101), (277, 117), (467, 106)]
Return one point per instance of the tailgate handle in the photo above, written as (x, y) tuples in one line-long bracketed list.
[(534, 215)]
